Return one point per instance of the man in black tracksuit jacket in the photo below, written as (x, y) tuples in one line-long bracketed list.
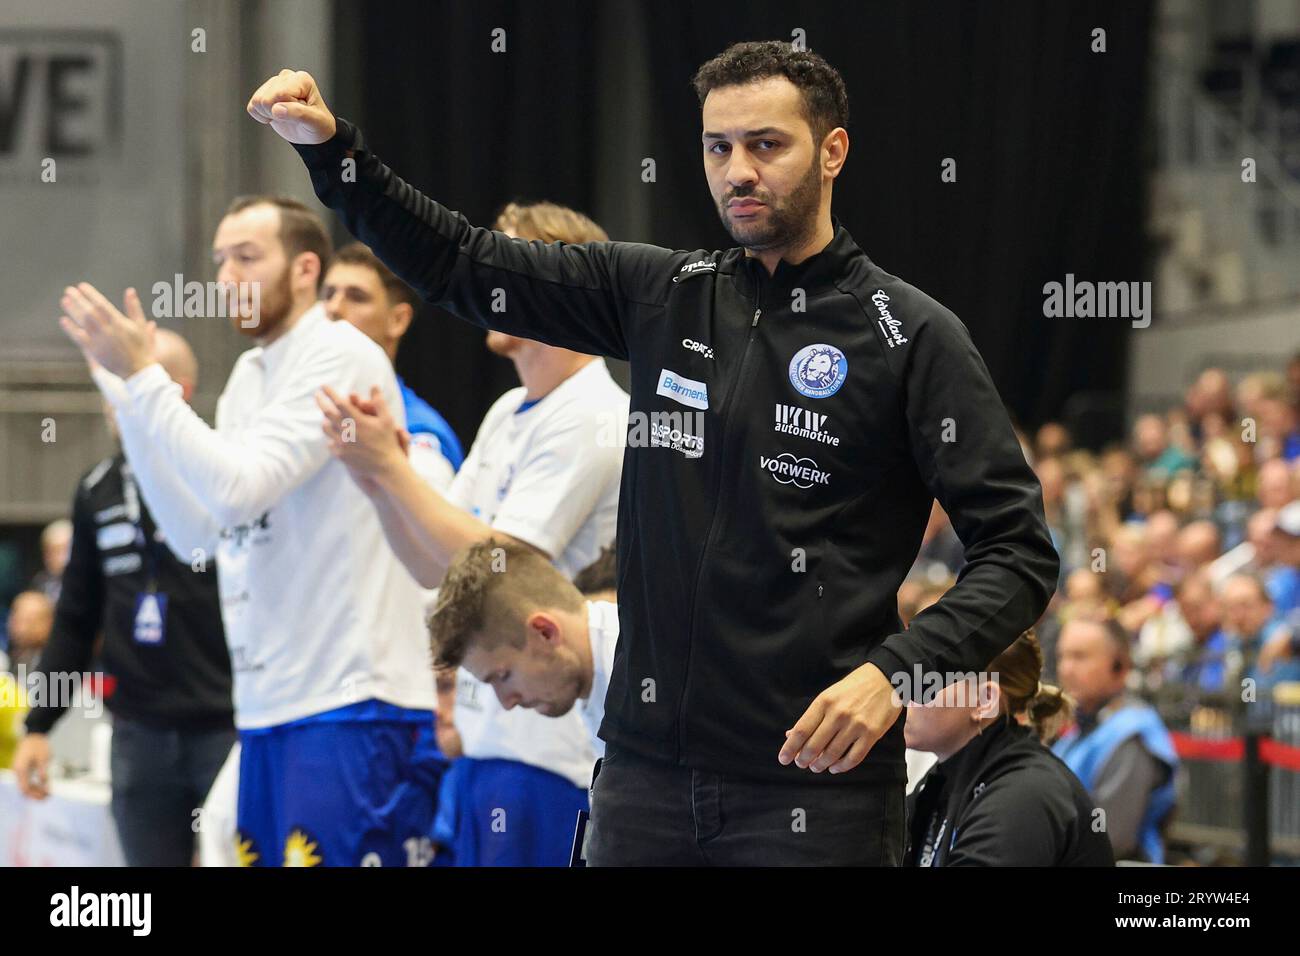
[(173, 719), (760, 544)]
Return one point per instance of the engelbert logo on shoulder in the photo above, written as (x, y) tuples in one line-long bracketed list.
[(889, 325), (699, 267), (818, 371)]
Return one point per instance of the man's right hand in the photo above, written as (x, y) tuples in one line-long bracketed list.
[(290, 103), (31, 766)]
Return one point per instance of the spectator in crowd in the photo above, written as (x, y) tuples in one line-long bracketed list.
[(1119, 748), (360, 289), (1284, 539), (1129, 575), (1119, 476), (31, 616), (1154, 449), (1210, 396), (1275, 484), (1082, 596), (1052, 441), (56, 544), (1197, 545), (1065, 520), (1198, 663), (1152, 587), (1255, 389), (1164, 633), (164, 647), (1279, 429), (998, 796), (1280, 560), (1250, 624)]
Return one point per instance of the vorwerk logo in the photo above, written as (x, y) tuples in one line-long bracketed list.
[(789, 470)]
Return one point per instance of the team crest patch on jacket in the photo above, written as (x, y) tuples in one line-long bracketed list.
[(818, 371)]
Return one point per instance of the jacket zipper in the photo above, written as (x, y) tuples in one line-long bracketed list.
[(708, 537)]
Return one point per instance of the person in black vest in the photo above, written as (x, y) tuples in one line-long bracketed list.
[(998, 796), (173, 720)]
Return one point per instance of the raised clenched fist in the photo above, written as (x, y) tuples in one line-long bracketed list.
[(290, 103)]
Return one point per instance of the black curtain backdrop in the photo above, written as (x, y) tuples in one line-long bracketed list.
[(1049, 140)]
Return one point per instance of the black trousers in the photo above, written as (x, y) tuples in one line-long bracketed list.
[(160, 778), (648, 813)]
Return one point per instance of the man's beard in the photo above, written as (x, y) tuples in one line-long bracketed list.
[(274, 303), (789, 222)]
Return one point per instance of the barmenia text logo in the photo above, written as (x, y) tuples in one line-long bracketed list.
[(133, 910)]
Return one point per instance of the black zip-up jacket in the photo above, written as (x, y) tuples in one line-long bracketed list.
[(760, 547), (1003, 800), (181, 682)]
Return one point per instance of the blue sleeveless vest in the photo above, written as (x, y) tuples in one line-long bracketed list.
[(1088, 755)]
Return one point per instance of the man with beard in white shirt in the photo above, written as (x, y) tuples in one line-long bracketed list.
[(543, 472), (334, 698)]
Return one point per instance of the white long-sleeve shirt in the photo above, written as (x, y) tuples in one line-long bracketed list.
[(319, 613)]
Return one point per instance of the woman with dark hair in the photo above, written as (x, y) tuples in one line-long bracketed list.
[(998, 796)]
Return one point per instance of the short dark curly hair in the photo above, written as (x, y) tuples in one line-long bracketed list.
[(825, 98)]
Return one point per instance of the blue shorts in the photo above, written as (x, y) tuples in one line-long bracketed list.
[(352, 787), (505, 813)]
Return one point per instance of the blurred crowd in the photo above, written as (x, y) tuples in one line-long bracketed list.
[(1187, 535)]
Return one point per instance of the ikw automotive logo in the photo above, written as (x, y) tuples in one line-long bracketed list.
[(790, 470)]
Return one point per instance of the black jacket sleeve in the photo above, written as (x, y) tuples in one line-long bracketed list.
[(968, 456), (578, 296), (77, 617)]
